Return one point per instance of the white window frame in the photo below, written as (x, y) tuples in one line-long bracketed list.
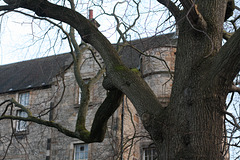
[(24, 98), (21, 125), (148, 156), (77, 151)]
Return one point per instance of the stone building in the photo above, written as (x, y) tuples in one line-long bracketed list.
[(49, 82)]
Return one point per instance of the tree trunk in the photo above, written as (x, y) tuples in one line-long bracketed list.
[(194, 122)]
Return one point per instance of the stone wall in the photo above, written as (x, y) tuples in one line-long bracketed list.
[(158, 70), (28, 144), (41, 142)]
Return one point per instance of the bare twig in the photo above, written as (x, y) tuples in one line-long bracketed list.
[(172, 8), (233, 118), (234, 89)]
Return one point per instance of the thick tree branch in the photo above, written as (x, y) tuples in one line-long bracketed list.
[(172, 8), (85, 88), (7, 7), (21, 107), (104, 112), (230, 9), (156, 72), (227, 62), (194, 16), (85, 92)]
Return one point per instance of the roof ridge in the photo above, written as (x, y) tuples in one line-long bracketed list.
[(35, 59)]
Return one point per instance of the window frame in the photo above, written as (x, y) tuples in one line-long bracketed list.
[(86, 152), (23, 99), (148, 148), (21, 126)]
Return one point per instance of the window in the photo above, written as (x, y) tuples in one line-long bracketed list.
[(81, 152), (79, 95), (24, 98), (149, 153), (21, 125)]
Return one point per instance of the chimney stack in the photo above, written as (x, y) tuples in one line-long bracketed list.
[(90, 14), (90, 17)]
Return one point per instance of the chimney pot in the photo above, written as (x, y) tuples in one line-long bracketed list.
[(90, 14)]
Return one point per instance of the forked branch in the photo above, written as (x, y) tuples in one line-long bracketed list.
[(193, 15), (105, 111), (228, 59), (172, 8)]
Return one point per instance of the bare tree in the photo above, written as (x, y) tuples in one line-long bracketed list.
[(192, 125)]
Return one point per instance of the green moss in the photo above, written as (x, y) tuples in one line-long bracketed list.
[(120, 67), (80, 127), (85, 134), (123, 68), (135, 70)]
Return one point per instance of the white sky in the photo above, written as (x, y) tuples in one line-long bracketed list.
[(18, 32)]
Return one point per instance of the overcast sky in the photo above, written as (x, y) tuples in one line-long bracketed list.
[(18, 33)]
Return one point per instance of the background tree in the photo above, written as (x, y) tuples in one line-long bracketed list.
[(192, 125)]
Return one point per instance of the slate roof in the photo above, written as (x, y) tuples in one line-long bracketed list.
[(131, 57), (38, 73)]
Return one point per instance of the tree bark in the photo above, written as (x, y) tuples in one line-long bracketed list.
[(194, 122)]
